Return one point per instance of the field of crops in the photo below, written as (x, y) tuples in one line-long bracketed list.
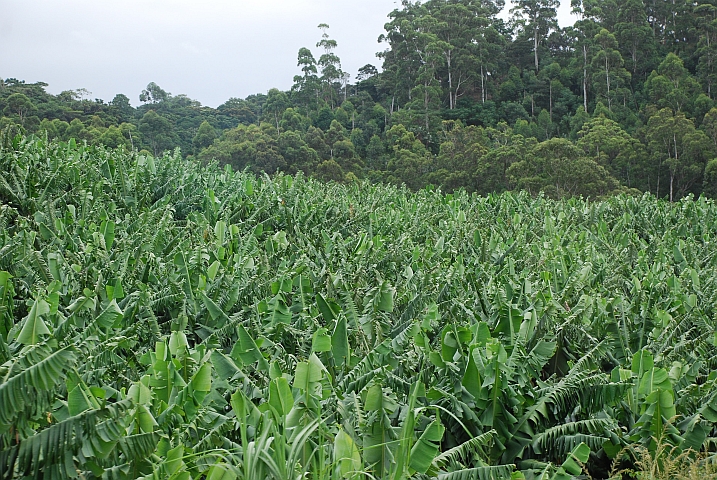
[(163, 319)]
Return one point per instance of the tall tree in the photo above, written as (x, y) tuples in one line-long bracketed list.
[(672, 24), (465, 31), (609, 145), (276, 102), (121, 108), (558, 168), (307, 87), (20, 105), (422, 58), (681, 148), (157, 131), (239, 110), (330, 65), (672, 85), (537, 18), (550, 77), (410, 161), (582, 35), (204, 137), (709, 125), (635, 38), (459, 160), (706, 18), (609, 75), (403, 59), (488, 44), (153, 94)]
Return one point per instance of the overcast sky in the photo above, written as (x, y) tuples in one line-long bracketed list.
[(209, 50)]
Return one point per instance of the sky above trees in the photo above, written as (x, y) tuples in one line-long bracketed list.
[(210, 50)]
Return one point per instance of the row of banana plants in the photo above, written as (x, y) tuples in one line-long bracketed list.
[(165, 319)]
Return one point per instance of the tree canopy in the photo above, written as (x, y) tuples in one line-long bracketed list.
[(630, 88)]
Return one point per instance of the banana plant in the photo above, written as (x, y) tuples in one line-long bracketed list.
[(165, 319)]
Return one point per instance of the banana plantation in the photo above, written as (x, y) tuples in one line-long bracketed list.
[(163, 319)]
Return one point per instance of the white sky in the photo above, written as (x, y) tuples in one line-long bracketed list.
[(209, 50)]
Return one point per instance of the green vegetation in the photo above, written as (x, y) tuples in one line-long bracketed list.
[(160, 318), (464, 99)]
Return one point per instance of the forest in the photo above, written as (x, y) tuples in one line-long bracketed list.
[(622, 101)]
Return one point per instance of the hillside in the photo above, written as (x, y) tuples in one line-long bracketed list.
[(621, 101)]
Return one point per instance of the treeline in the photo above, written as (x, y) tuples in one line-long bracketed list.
[(622, 100)]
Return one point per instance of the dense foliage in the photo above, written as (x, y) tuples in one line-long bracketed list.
[(623, 99), (163, 319)]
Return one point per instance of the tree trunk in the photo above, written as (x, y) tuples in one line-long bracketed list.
[(451, 101), (709, 67), (585, 78), (425, 103), (607, 80), (535, 46), (672, 178)]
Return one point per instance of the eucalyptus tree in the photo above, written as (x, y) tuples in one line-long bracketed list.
[(672, 25), (582, 35), (276, 103), (157, 131), (487, 47), (460, 158), (121, 108), (610, 79), (469, 43), (610, 146), (536, 19), (558, 168), (709, 125), (672, 85), (404, 59), (551, 75), (706, 19), (20, 105), (239, 110), (204, 137), (307, 88), (421, 54), (153, 94), (636, 40), (680, 147), (330, 66)]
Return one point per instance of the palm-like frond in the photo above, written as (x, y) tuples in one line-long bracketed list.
[(468, 452), (37, 370), (494, 472), (557, 441), (52, 451), (373, 360)]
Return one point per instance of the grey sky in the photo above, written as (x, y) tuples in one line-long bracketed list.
[(210, 50)]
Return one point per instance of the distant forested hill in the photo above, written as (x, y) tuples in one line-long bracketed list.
[(622, 100)]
